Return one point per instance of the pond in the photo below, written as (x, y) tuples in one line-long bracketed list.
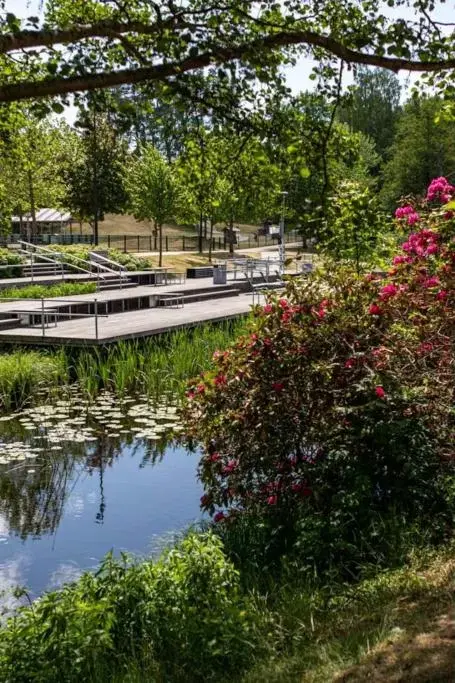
[(78, 479)]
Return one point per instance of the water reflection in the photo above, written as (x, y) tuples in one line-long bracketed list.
[(77, 480)]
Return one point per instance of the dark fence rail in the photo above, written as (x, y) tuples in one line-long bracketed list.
[(144, 243)]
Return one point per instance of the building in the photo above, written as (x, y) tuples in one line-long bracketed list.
[(50, 221)]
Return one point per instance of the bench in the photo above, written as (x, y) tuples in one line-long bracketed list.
[(170, 300), (201, 271)]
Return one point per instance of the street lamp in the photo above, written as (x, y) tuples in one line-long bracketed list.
[(282, 252)]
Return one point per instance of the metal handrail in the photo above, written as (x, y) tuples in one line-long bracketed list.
[(36, 250), (44, 312), (121, 269)]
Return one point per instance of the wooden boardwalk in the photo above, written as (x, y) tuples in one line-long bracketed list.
[(131, 324)]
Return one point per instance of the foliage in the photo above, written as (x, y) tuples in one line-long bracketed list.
[(354, 226), (83, 252), (153, 190), (10, 258), (95, 178), (48, 291), (26, 375), (374, 106), (337, 408), (423, 148), (181, 616), (107, 45), (155, 366)]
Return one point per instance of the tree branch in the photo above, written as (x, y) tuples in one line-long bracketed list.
[(219, 55)]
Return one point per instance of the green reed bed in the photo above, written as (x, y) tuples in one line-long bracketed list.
[(48, 291), (25, 375), (155, 366)]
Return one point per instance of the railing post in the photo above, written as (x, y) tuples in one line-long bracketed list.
[(150, 243), (138, 245), (96, 318), (43, 328), (167, 244), (124, 244)]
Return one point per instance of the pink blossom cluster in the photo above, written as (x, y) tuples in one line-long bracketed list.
[(407, 213), (440, 190), (422, 243)]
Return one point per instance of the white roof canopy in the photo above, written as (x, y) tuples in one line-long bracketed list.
[(44, 216)]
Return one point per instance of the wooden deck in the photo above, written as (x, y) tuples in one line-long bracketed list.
[(130, 325)]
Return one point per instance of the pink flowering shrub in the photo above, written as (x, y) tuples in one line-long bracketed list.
[(339, 403)]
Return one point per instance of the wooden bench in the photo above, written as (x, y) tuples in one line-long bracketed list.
[(171, 300)]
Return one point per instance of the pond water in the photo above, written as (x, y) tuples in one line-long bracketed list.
[(79, 479)]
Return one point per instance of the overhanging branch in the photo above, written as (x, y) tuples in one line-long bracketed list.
[(219, 55)]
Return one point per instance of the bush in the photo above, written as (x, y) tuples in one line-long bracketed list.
[(82, 252), (181, 617), (9, 258), (48, 291), (334, 416)]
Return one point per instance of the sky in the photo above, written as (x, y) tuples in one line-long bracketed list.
[(297, 76)]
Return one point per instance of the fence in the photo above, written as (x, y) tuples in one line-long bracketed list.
[(141, 243)]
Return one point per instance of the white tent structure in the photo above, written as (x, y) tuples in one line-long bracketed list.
[(47, 220)]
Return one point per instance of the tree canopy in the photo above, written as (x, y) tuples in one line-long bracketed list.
[(91, 44)]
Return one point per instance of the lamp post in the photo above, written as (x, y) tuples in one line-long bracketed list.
[(282, 252)]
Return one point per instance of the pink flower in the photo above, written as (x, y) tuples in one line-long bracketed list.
[(278, 387), (283, 303), (349, 363), (200, 389), (230, 467), (431, 282), (442, 295), (374, 310), (448, 215), (220, 380), (440, 190), (425, 347), (399, 259), (388, 291), (268, 308), (219, 517), (432, 249), (379, 391), (272, 500), (215, 457)]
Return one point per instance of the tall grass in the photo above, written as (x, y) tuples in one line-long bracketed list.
[(25, 375), (158, 365), (48, 291)]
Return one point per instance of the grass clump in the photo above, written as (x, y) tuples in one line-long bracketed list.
[(181, 618), (157, 365), (48, 291), (25, 375)]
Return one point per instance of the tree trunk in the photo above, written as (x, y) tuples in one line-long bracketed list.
[(205, 227), (211, 240), (31, 194), (200, 234), (160, 260), (231, 235), (95, 182)]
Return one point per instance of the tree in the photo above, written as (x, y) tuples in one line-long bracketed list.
[(33, 163), (424, 147), (95, 178), (374, 106), (152, 189), (110, 44)]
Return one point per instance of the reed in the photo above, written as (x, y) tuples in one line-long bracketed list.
[(156, 366), (26, 375)]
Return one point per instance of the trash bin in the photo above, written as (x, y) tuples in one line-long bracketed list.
[(219, 274)]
